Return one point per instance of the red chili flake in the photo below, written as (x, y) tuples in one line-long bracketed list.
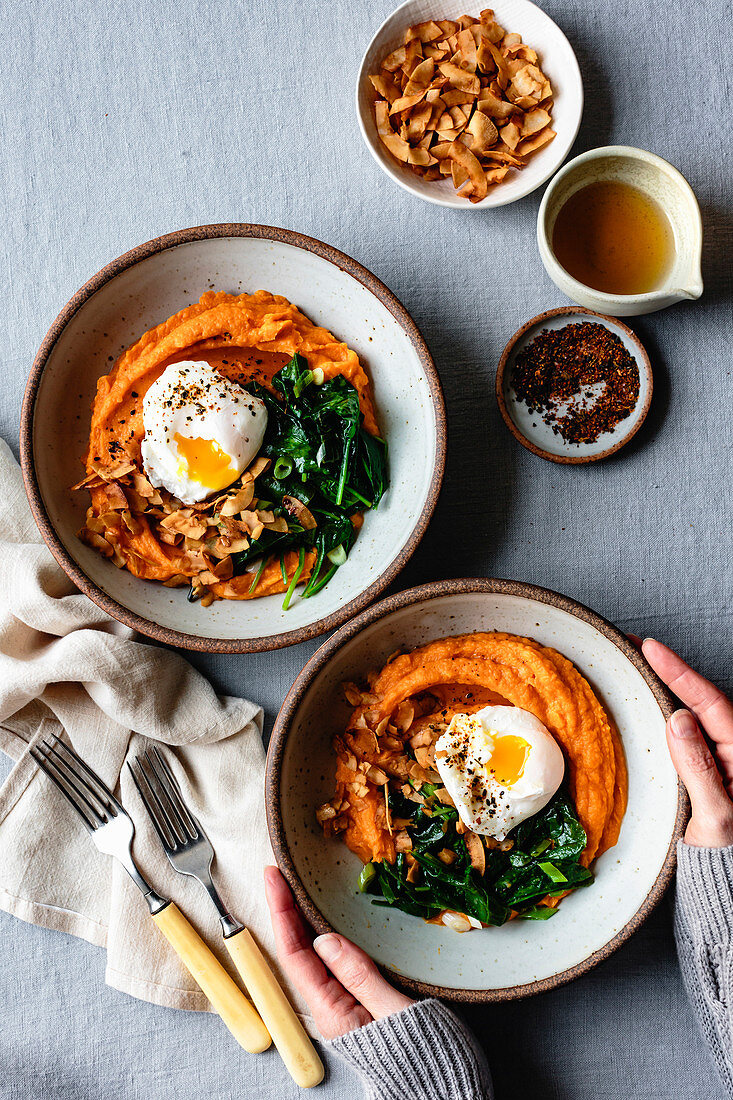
[(552, 375)]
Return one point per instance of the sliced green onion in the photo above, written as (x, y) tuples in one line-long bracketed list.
[(296, 578), (283, 467), (323, 581), (538, 912), (541, 847), (553, 872), (337, 556), (283, 570), (367, 876), (258, 575), (305, 380)]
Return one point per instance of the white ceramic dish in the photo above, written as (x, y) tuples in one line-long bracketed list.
[(521, 957), (529, 427), (662, 182), (556, 58), (143, 288)]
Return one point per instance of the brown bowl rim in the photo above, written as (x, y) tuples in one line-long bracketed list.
[(320, 659), (572, 460), (129, 259)]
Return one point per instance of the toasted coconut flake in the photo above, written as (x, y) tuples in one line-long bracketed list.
[(397, 146), (114, 470), (534, 121), (403, 841), (91, 481), (459, 78), (420, 78), (530, 145), (278, 524), (428, 31), (395, 60), (483, 131), (354, 694), (465, 159), (238, 501), (185, 523), (476, 852), (115, 494), (176, 581), (386, 87), (91, 538), (300, 511)]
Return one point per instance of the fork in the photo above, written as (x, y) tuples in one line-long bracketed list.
[(112, 831), (190, 852)]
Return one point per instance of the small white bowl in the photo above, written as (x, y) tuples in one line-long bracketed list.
[(556, 58), (660, 181)]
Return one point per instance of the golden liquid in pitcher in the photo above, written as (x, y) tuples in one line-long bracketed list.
[(612, 237)]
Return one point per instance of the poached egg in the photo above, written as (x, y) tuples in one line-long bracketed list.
[(201, 431), (500, 766)]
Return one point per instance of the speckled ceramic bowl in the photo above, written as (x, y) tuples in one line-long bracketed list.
[(143, 288), (523, 957), (530, 429)]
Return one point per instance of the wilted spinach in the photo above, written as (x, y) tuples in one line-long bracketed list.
[(322, 456), (544, 860)]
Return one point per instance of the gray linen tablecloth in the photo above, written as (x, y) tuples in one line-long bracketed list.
[(124, 120)]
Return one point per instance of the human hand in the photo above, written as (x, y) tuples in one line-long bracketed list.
[(704, 766), (347, 995)]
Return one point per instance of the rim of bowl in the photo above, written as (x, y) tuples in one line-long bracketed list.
[(129, 259), (401, 179), (611, 152), (642, 359), (665, 701)]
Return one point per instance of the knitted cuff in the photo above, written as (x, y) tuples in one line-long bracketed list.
[(423, 1052), (705, 892)]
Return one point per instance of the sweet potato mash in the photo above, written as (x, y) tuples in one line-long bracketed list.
[(248, 338), (388, 749)]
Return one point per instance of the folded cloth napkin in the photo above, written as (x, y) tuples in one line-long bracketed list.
[(66, 667)]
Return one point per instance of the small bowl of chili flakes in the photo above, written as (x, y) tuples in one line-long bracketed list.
[(573, 385)]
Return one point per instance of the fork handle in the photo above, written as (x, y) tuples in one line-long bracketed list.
[(225, 995), (296, 1049)]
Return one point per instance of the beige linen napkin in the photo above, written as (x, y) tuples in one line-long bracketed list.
[(66, 666)]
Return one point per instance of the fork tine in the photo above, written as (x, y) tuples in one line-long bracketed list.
[(84, 808), (170, 785), (163, 800), (153, 805), (68, 769), (87, 776)]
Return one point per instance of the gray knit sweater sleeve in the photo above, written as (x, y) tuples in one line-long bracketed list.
[(704, 934), (421, 1053)]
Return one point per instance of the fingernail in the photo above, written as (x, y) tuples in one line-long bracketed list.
[(683, 724), (328, 947)]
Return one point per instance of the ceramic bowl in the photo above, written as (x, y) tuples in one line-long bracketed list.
[(556, 58), (531, 430), (663, 183), (522, 957), (143, 288)]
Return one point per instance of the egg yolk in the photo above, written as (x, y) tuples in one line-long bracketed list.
[(206, 462), (508, 759)]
